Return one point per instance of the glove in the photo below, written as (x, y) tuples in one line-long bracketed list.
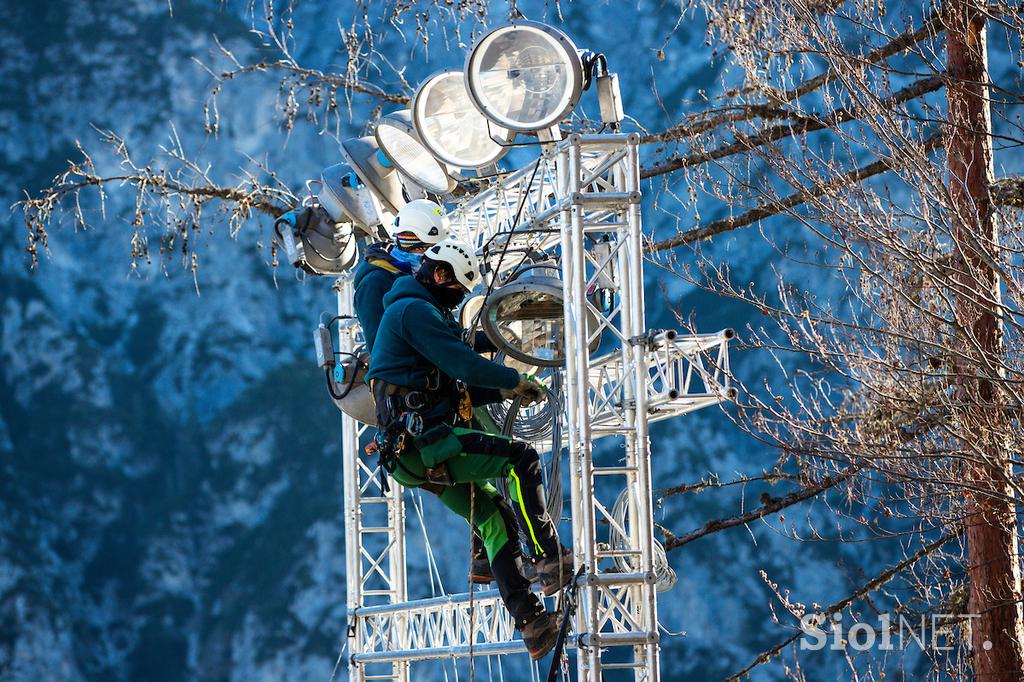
[(528, 388)]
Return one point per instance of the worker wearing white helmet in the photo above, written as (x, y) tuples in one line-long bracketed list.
[(418, 225), (425, 381)]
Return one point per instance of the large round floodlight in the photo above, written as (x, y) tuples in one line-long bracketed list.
[(469, 316), (450, 126), (470, 311), (314, 242), (401, 143), (525, 318), (525, 76)]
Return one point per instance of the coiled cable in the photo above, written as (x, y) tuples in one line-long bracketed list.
[(664, 574)]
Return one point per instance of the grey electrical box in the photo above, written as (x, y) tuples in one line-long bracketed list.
[(324, 347), (293, 248), (609, 98)]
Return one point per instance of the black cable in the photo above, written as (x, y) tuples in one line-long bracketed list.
[(331, 386), (563, 629), (338, 318), (508, 241), (510, 417), (590, 61)]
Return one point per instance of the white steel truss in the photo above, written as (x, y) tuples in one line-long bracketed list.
[(579, 202), (374, 522)]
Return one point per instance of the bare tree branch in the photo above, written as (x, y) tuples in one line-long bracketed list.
[(1009, 192), (769, 507), (799, 126), (311, 78), (931, 27), (872, 585), (171, 191), (786, 203), (705, 121)]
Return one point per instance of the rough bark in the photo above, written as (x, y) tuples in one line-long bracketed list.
[(993, 562)]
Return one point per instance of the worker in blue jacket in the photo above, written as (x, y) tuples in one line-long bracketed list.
[(425, 380), (418, 225)]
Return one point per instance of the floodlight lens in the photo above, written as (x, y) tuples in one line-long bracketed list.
[(525, 77), (525, 318), (450, 126), (531, 324), (413, 159)]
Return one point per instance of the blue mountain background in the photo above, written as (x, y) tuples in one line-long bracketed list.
[(170, 465)]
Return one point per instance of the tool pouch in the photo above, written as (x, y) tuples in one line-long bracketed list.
[(439, 475), (437, 445)]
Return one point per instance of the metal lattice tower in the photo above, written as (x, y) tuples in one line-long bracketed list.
[(579, 202)]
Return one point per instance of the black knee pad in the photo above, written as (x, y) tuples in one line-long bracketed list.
[(524, 458)]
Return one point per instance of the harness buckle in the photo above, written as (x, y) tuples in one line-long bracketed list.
[(415, 400)]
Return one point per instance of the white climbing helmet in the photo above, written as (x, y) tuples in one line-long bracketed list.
[(461, 257), (423, 218)]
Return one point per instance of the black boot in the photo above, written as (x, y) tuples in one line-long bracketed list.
[(554, 570), (538, 627), (540, 633), (480, 569), (514, 588), (528, 569)]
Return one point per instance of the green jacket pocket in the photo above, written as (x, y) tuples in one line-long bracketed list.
[(437, 445)]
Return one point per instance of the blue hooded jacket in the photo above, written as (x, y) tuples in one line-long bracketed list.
[(373, 279), (416, 335)]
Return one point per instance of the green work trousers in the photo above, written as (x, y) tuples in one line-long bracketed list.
[(474, 458)]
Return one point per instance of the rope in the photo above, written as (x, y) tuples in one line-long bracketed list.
[(432, 569), (337, 663), (472, 585), (563, 629)]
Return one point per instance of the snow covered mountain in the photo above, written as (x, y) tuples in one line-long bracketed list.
[(170, 479)]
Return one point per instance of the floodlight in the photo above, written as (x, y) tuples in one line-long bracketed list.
[(450, 126), (400, 142), (471, 310), (525, 318), (525, 76), (375, 170), (469, 317), (314, 242), (345, 198)]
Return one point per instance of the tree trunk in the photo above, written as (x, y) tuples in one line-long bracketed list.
[(993, 562)]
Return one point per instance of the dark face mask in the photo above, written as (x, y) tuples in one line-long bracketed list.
[(448, 295)]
